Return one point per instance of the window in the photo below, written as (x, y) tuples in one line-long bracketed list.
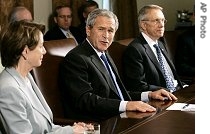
[(103, 4)]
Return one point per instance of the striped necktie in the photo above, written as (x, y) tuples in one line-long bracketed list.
[(167, 76), (69, 35)]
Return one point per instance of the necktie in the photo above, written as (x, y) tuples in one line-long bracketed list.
[(112, 75), (167, 76), (69, 35)]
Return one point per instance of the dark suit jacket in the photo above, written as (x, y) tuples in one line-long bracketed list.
[(141, 69), (82, 29), (88, 90), (55, 34)]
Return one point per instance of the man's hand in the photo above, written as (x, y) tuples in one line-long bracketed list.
[(162, 95), (139, 106), (160, 104), (138, 115)]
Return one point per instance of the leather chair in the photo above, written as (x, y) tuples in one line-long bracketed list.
[(170, 38), (116, 50), (46, 76)]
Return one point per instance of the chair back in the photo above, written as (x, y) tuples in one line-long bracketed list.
[(116, 51), (170, 38), (46, 76)]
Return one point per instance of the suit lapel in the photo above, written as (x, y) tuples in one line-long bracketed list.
[(173, 69), (149, 51), (98, 63), (120, 83), (59, 33), (152, 56), (25, 89), (163, 49), (34, 102), (100, 66), (41, 98)]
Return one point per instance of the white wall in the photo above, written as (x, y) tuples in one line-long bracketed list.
[(100, 3), (42, 11), (170, 8)]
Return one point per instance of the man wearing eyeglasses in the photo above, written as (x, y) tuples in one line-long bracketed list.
[(62, 16), (142, 70)]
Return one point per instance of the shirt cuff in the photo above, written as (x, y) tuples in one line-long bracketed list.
[(145, 96), (122, 107), (123, 115)]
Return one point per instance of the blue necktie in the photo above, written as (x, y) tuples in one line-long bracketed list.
[(167, 76), (112, 75)]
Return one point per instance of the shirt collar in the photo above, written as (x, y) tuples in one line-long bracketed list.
[(97, 52), (149, 40), (65, 31)]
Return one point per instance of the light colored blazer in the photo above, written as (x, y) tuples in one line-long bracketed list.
[(19, 113), (1, 67)]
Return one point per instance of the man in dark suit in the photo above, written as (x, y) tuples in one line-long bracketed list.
[(141, 68), (83, 12), (90, 91), (63, 17)]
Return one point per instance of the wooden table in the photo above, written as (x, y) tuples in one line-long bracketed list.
[(160, 122)]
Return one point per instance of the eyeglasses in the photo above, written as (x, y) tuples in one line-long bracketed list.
[(157, 21), (65, 16)]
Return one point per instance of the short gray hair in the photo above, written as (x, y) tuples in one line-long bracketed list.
[(13, 14), (144, 10), (101, 12)]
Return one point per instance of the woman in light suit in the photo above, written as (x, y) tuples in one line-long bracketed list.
[(23, 108)]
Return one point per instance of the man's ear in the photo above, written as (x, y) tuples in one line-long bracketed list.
[(84, 15), (142, 25), (88, 30)]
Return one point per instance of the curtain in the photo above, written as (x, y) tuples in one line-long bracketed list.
[(126, 11)]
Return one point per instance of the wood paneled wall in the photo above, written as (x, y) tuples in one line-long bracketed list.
[(7, 5)]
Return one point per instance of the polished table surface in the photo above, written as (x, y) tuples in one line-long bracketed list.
[(160, 122)]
